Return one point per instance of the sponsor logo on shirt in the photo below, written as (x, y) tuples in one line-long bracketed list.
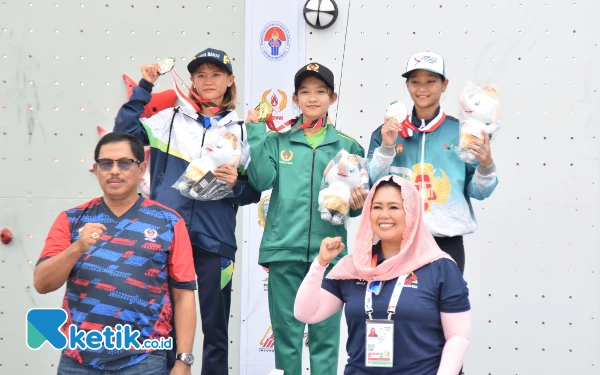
[(411, 281)]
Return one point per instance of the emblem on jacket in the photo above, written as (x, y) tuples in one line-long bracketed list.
[(432, 189), (286, 156)]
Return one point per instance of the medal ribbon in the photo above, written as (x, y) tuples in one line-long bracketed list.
[(407, 127), (319, 123), (279, 129), (212, 107)]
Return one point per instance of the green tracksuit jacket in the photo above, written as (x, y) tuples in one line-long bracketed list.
[(286, 163)]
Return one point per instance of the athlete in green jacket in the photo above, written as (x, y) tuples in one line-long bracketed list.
[(292, 164)]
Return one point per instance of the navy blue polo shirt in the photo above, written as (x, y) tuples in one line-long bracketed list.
[(418, 335)]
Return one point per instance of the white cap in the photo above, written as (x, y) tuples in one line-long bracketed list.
[(429, 61)]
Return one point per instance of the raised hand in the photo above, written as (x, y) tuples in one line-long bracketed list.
[(390, 131), (150, 72), (330, 248), (89, 235)]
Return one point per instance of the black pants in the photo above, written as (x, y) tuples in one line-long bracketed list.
[(454, 247), (215, 304)]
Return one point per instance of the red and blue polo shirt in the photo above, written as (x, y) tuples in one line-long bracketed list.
[(125, 278)]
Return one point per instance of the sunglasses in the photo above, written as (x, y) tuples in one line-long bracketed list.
[(124, 164)]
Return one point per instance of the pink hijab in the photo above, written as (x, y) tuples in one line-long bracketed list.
[(417, 249)]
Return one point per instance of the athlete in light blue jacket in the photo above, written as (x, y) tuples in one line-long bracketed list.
[(427, 158)]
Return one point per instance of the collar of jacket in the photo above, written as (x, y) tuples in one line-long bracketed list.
[(229, 118), (297, 135), (416, 124), (417, 121)]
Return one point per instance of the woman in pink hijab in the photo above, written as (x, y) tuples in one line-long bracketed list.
[(397, 283)]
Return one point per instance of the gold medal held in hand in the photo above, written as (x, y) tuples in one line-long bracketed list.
[(265, 110)]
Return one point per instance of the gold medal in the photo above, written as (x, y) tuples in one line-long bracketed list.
[(264, 109)]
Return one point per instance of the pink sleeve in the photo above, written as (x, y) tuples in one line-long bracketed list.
[(457, 331), (314, 304)]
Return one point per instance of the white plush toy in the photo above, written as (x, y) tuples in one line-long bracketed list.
[(343, 173), (220, 149), (480, 111)]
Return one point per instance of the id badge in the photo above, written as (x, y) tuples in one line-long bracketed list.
[(379, 343)]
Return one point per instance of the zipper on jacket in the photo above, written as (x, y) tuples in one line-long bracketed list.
[(192, 215), (193, 200), (203, 135), (423, 191), (312, 172)]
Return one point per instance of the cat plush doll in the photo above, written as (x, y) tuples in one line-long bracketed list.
[(343, 173), (480, 111)]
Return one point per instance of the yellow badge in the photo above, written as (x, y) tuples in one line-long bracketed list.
[(263, 209), (286, 155)]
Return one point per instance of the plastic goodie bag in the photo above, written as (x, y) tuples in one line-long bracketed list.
[(480, 111), (224, 145), (345, 172)]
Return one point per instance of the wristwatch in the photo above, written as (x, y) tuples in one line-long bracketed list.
[(187, 358)]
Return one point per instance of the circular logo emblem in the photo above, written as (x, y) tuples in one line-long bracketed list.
[(150, 234), (275, 41), (286, 155), (313, 66)]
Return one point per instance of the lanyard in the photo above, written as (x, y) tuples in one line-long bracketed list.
[(393, 301)]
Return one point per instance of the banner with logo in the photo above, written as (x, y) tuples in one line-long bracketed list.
[(274, 51)]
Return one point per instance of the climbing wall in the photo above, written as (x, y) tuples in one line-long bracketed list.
[(532, 265), (61, 67)]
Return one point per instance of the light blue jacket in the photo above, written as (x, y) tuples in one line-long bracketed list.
[(445, 181)]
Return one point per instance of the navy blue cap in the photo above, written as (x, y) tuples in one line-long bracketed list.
[(210, 56), (315, 70)]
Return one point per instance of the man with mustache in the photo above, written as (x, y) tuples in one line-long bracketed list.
[(126, 260)]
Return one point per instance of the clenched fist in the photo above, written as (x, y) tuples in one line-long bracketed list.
[(150, 72), (330, 248), (89, 234)]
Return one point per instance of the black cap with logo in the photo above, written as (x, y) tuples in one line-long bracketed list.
[(210, 56), (314, 70)]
